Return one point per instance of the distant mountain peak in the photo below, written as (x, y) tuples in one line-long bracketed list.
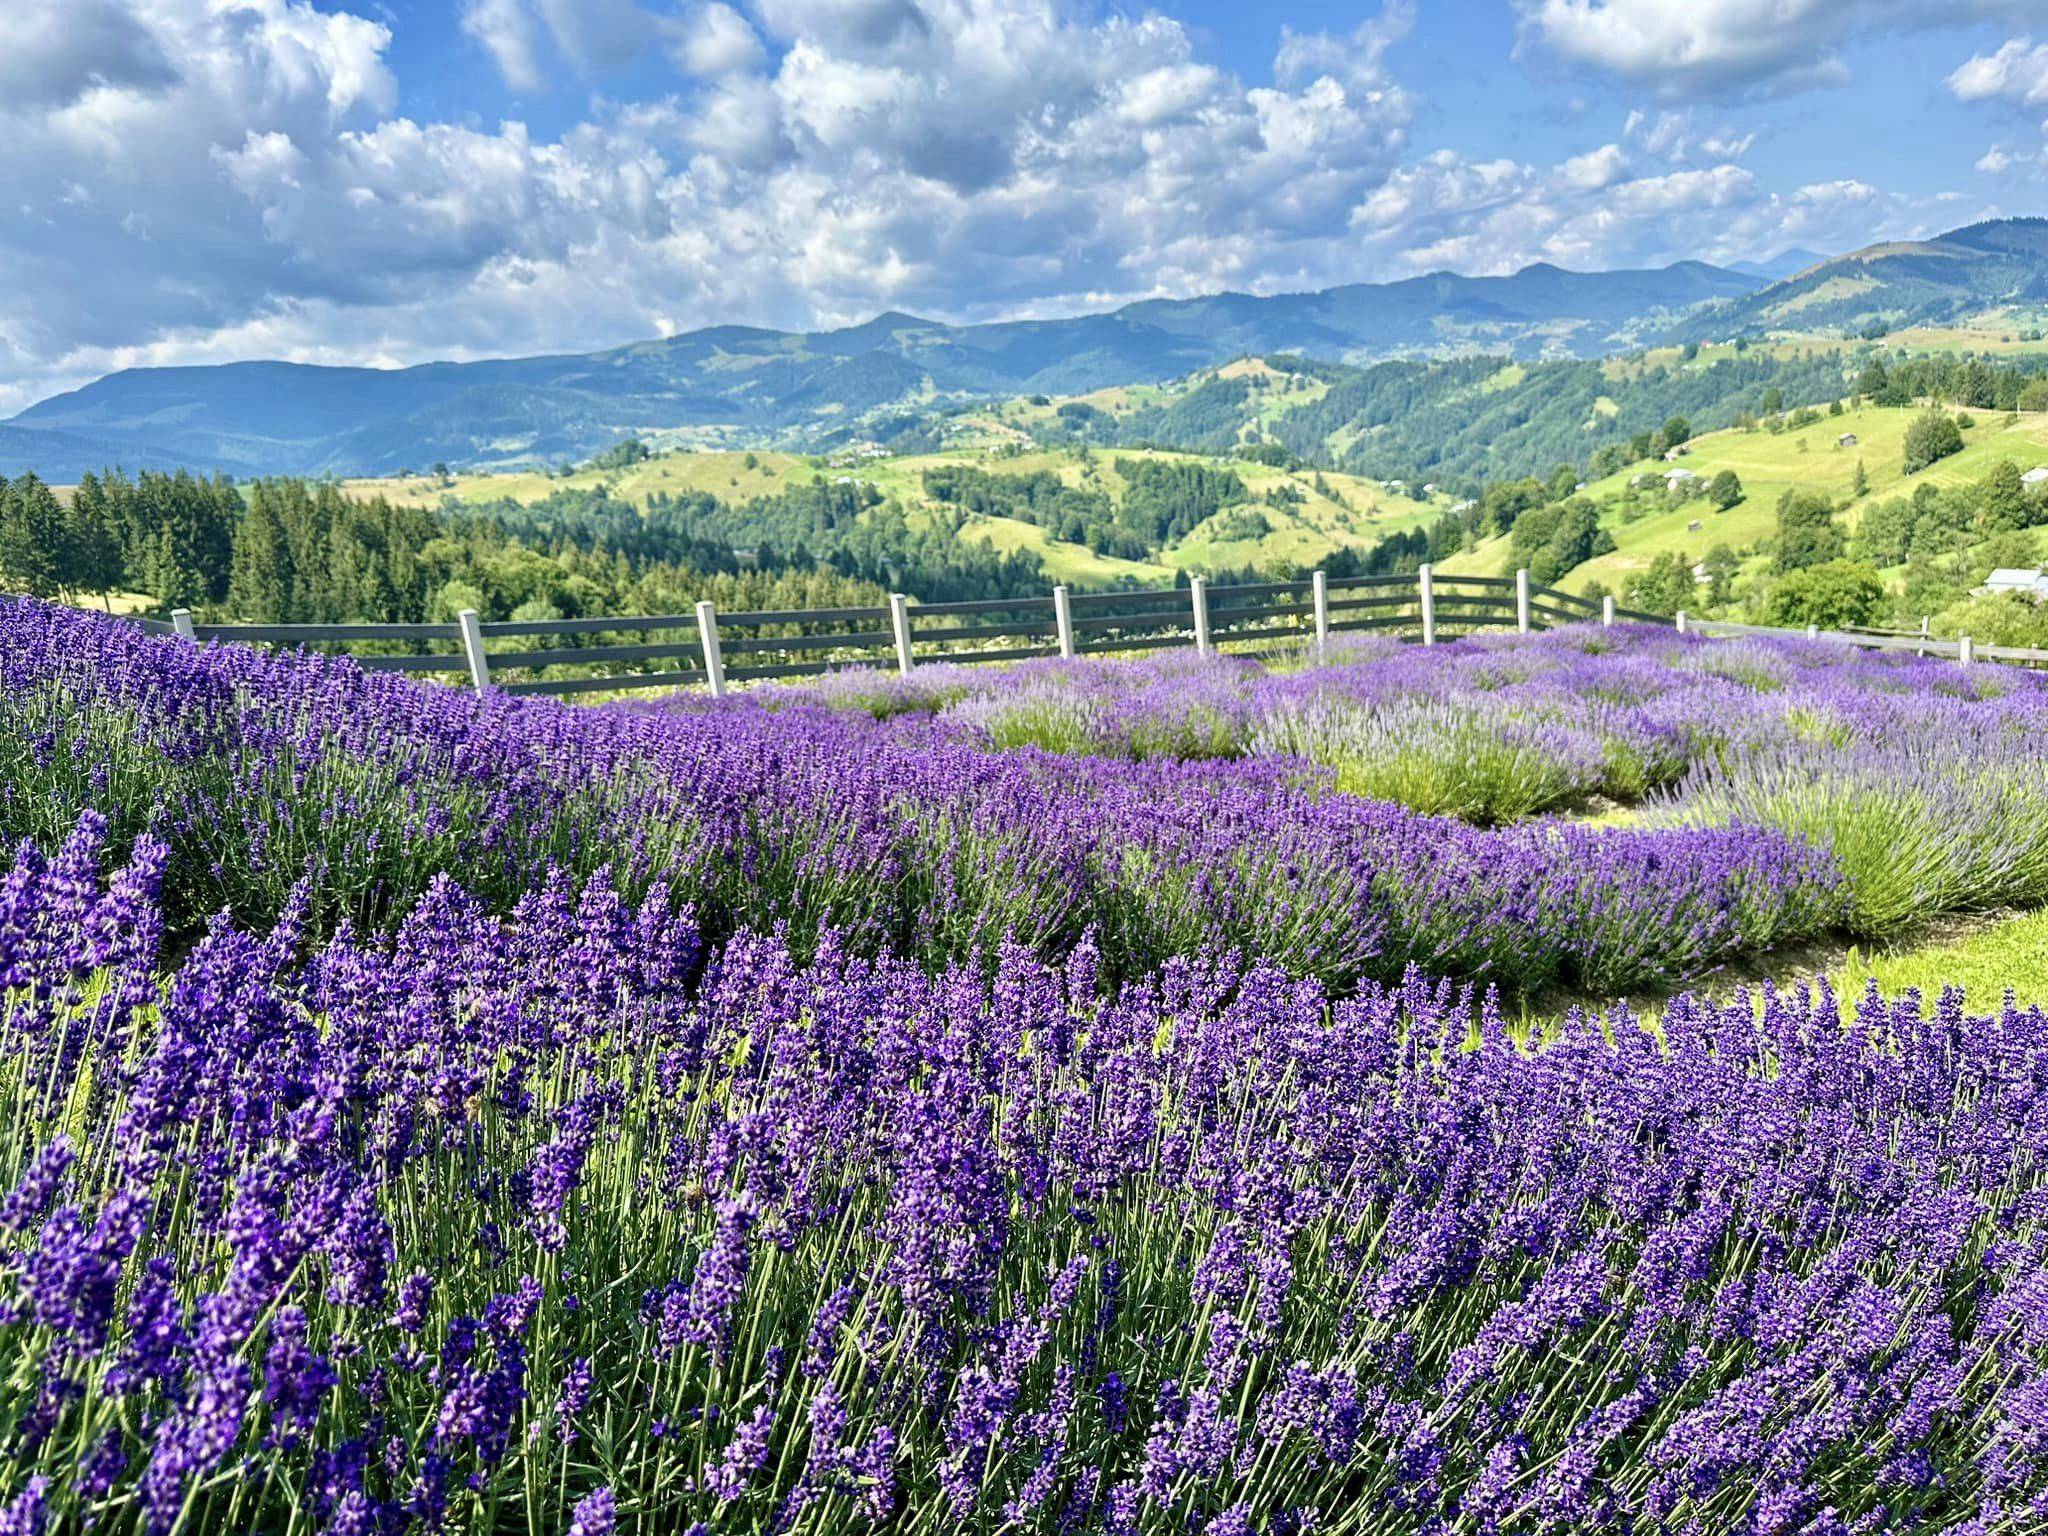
[(1894, 284)]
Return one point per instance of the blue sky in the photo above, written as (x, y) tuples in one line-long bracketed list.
[(389, 181)]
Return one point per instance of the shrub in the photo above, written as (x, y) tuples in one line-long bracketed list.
[(1933, 436), (1835, 595)]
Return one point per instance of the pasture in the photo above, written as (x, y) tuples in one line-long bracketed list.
[(1769, 465)]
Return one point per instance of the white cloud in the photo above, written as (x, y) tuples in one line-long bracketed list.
[(1685, 48), (1595, 169), (57, 50), (2018, 71), (272, 196), (715, 39)]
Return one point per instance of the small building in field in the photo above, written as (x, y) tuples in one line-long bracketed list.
[(2026, 583), (1693, 526), (2038, 475), (1681, 480), (1846, 440)]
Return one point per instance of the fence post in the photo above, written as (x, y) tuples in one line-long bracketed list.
[(1063, 620), (1813, 631), (473, 650), (714, 663), (1319, 589), (181, 624), (1198, 596), (1522, 600), (1607, 611), (1965, 652), (1425, 584), (1678, 618), (899, 620)]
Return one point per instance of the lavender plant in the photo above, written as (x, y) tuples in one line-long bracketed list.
[(570, 1219), (264, 775)]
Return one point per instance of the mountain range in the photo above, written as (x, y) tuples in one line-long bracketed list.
[(274, 417), (1895, 284)]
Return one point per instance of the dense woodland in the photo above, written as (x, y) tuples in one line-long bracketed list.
[(290, 551), (1469, 421)]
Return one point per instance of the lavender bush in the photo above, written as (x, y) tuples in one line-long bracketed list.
[(264, 774), (572, 1219), (1921, 780)]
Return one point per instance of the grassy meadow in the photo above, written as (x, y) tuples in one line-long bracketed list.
[(1769, 465), (1356, 512)]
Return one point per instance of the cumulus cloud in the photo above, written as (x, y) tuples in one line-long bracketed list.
[(1687, 48), (269, 193), (57, 50), (2018, 71), (2016, 77), (715, 39)]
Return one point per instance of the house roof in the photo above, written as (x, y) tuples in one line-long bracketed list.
[(2013, 579), (2035, 475)]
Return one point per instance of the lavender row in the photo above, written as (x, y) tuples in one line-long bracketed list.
[(1922, 780), (576, 1221), (258, 771)]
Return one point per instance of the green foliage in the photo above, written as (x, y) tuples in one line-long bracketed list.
[(623, 455), (1931, 438), (1884, 537), (1834, 595), (1554, 539), (1725, 490), (2001, 618), (35, 538), (2003, 504), (1807, 532), (1664, 588)]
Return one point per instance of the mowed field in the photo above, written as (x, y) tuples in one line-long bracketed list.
[(1769, 465), (1355, 512)]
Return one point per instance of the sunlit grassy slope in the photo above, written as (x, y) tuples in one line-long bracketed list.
[(1984, 960), (1337, 511), (1769, 465)]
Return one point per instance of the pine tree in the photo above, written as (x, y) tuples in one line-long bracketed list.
[(1861, 484), (261, 583), (95, 547), (35, 539)]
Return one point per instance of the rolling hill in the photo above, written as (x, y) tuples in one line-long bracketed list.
[(731, 381), (1768, 465), (2002, 265)]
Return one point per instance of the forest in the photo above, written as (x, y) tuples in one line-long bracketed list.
[(290, 551)]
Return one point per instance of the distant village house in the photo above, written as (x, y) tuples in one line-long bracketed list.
[(2027, 583)]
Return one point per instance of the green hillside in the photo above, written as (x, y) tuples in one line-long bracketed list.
[(1768, 466), (1938, 282), (1306, 515)]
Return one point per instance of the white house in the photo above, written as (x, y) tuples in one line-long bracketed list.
[(2027, 583), (2038, 475), (1846, 440), (1681, 480)]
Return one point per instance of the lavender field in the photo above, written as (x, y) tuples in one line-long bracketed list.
[(1167, 1096)]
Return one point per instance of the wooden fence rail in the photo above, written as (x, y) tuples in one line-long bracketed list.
[(706, 647)]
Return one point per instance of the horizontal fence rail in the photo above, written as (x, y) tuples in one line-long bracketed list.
[(713, 649)]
